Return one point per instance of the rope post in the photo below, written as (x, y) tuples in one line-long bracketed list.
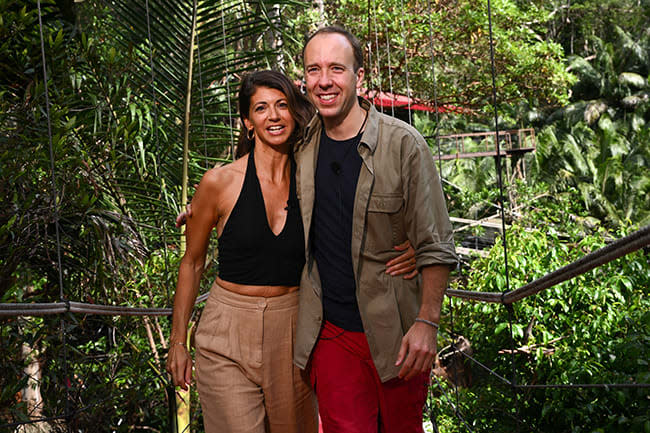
[(171, 405)]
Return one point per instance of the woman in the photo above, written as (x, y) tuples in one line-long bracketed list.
[(246, 378)]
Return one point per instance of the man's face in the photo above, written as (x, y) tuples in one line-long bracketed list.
[(329, 73)]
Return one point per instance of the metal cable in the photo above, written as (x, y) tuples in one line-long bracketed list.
[(163, 222), (205, 137), (390, 74), (369, 44), (377, 57), (44, 309), (486, 368), (502, 208), (54, 191), (584, 385), (455, 408), (55, 201), (227, 76), (615, 250), (435, 90), (406, 64)]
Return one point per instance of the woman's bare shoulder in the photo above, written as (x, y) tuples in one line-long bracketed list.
[(224, 176)]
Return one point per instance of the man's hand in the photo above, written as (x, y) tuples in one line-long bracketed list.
[(404, 264), (182, 217), (179, 365), (418, 350)]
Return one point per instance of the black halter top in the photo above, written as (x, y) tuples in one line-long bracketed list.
[(249, 252)]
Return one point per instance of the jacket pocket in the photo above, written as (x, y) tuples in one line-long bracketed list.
[(385, 227), (408, 295)]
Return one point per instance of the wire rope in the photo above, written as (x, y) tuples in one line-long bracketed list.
[(163, 223), (369, 43), (378, 57), (43, 309), (450, 403), (509, 308), (435, 88), (205, 137), (390, 73), (55, 200), (227, 77), (436, 131), (406, 63)]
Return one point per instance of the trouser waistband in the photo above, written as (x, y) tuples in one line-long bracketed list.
[(253, 302)]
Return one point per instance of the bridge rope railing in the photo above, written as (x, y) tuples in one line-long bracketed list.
[(618, 248), (43, 309), (613, 251)]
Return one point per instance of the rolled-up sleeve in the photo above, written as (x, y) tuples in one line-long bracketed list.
[(426, 218)]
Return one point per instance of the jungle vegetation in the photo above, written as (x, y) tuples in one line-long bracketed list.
[(139, 90)]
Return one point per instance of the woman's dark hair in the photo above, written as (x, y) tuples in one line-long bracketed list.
[(299, 106)]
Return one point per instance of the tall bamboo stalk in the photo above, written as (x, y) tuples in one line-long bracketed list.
[(183, 397)]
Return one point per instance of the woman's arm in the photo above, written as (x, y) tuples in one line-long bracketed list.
[(198, 229), (404, 264)]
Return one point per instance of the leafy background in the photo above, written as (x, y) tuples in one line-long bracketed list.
[(119, 83)]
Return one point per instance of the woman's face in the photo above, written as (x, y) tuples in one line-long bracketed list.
[(270, 117)]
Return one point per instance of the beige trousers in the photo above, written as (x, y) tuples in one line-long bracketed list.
[(246, 378)]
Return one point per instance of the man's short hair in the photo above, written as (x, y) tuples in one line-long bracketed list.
[(354, 42)]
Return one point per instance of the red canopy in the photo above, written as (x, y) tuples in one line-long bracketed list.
[(388, 100)]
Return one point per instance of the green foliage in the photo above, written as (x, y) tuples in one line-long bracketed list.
[(117, 100), (117, 149), (574, 24), (528, 67), (591, 329), (600, 144)]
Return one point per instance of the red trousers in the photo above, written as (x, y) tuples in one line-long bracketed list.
[(352, 398)]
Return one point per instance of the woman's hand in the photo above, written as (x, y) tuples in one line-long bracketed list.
[(179, 365), (404, 264)]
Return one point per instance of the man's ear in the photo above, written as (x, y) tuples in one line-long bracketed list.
[(360, 74)]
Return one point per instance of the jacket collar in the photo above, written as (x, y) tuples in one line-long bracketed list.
[(371, 133)]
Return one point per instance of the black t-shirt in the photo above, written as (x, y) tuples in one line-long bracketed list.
[(337, 173)]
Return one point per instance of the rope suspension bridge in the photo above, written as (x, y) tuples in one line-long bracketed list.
[(462, 145)]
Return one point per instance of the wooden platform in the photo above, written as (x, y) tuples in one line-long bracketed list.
[(480, 144)]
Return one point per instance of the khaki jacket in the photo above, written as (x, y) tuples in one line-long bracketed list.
[(398, 197)]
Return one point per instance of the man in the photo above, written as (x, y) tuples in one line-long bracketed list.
[(366, 181)]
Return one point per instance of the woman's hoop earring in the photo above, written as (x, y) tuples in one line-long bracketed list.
[(250, 134)]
